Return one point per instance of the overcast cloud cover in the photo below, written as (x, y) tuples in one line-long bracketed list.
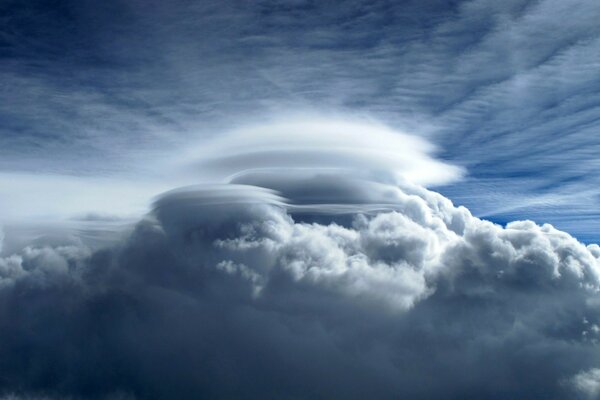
[(299, 200)]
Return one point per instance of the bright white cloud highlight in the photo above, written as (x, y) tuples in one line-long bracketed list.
[(311, 142)]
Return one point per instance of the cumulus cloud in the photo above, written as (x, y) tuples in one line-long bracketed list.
[(587, 383), (313, 269), (224, 291), (303, 277)]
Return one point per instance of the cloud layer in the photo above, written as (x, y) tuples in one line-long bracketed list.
[(294, 145), (220, 293)]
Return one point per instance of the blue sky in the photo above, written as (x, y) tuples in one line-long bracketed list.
[(96, 95)]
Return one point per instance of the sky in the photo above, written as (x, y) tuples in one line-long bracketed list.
[(107, 91), (299, 199)]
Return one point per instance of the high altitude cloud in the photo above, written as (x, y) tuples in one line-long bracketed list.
[(221, 293), (508, 89), (301, 143)]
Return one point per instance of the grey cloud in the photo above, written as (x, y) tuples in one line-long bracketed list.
[(221, 293)]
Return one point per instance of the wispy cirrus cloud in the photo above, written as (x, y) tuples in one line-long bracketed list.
[(508, 90)]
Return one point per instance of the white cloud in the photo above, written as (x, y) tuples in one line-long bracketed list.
[(317, 143), (587, 383)]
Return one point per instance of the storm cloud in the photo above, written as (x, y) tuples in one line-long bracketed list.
[(295, 247), (222, 292)]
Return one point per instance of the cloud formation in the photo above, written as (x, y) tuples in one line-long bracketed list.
[(364, 148), (312, 268), (507, 89), (220, 293)]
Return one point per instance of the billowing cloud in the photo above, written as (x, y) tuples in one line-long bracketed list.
[(303, 256), (324, 273), (223, 292)]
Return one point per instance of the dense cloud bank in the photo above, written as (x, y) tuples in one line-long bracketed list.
[(230, 292)]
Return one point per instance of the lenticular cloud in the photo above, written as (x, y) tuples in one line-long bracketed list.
[(316, 144), (327, 284)]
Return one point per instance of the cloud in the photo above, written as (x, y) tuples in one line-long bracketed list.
[(221, 292), (587, 383), (327, 274), (312, 142), (348, 163), (483, 80), (312, 268)]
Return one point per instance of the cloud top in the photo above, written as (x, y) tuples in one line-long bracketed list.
[(317, 144)]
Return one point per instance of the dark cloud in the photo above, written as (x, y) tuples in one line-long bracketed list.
[(219, 293)]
